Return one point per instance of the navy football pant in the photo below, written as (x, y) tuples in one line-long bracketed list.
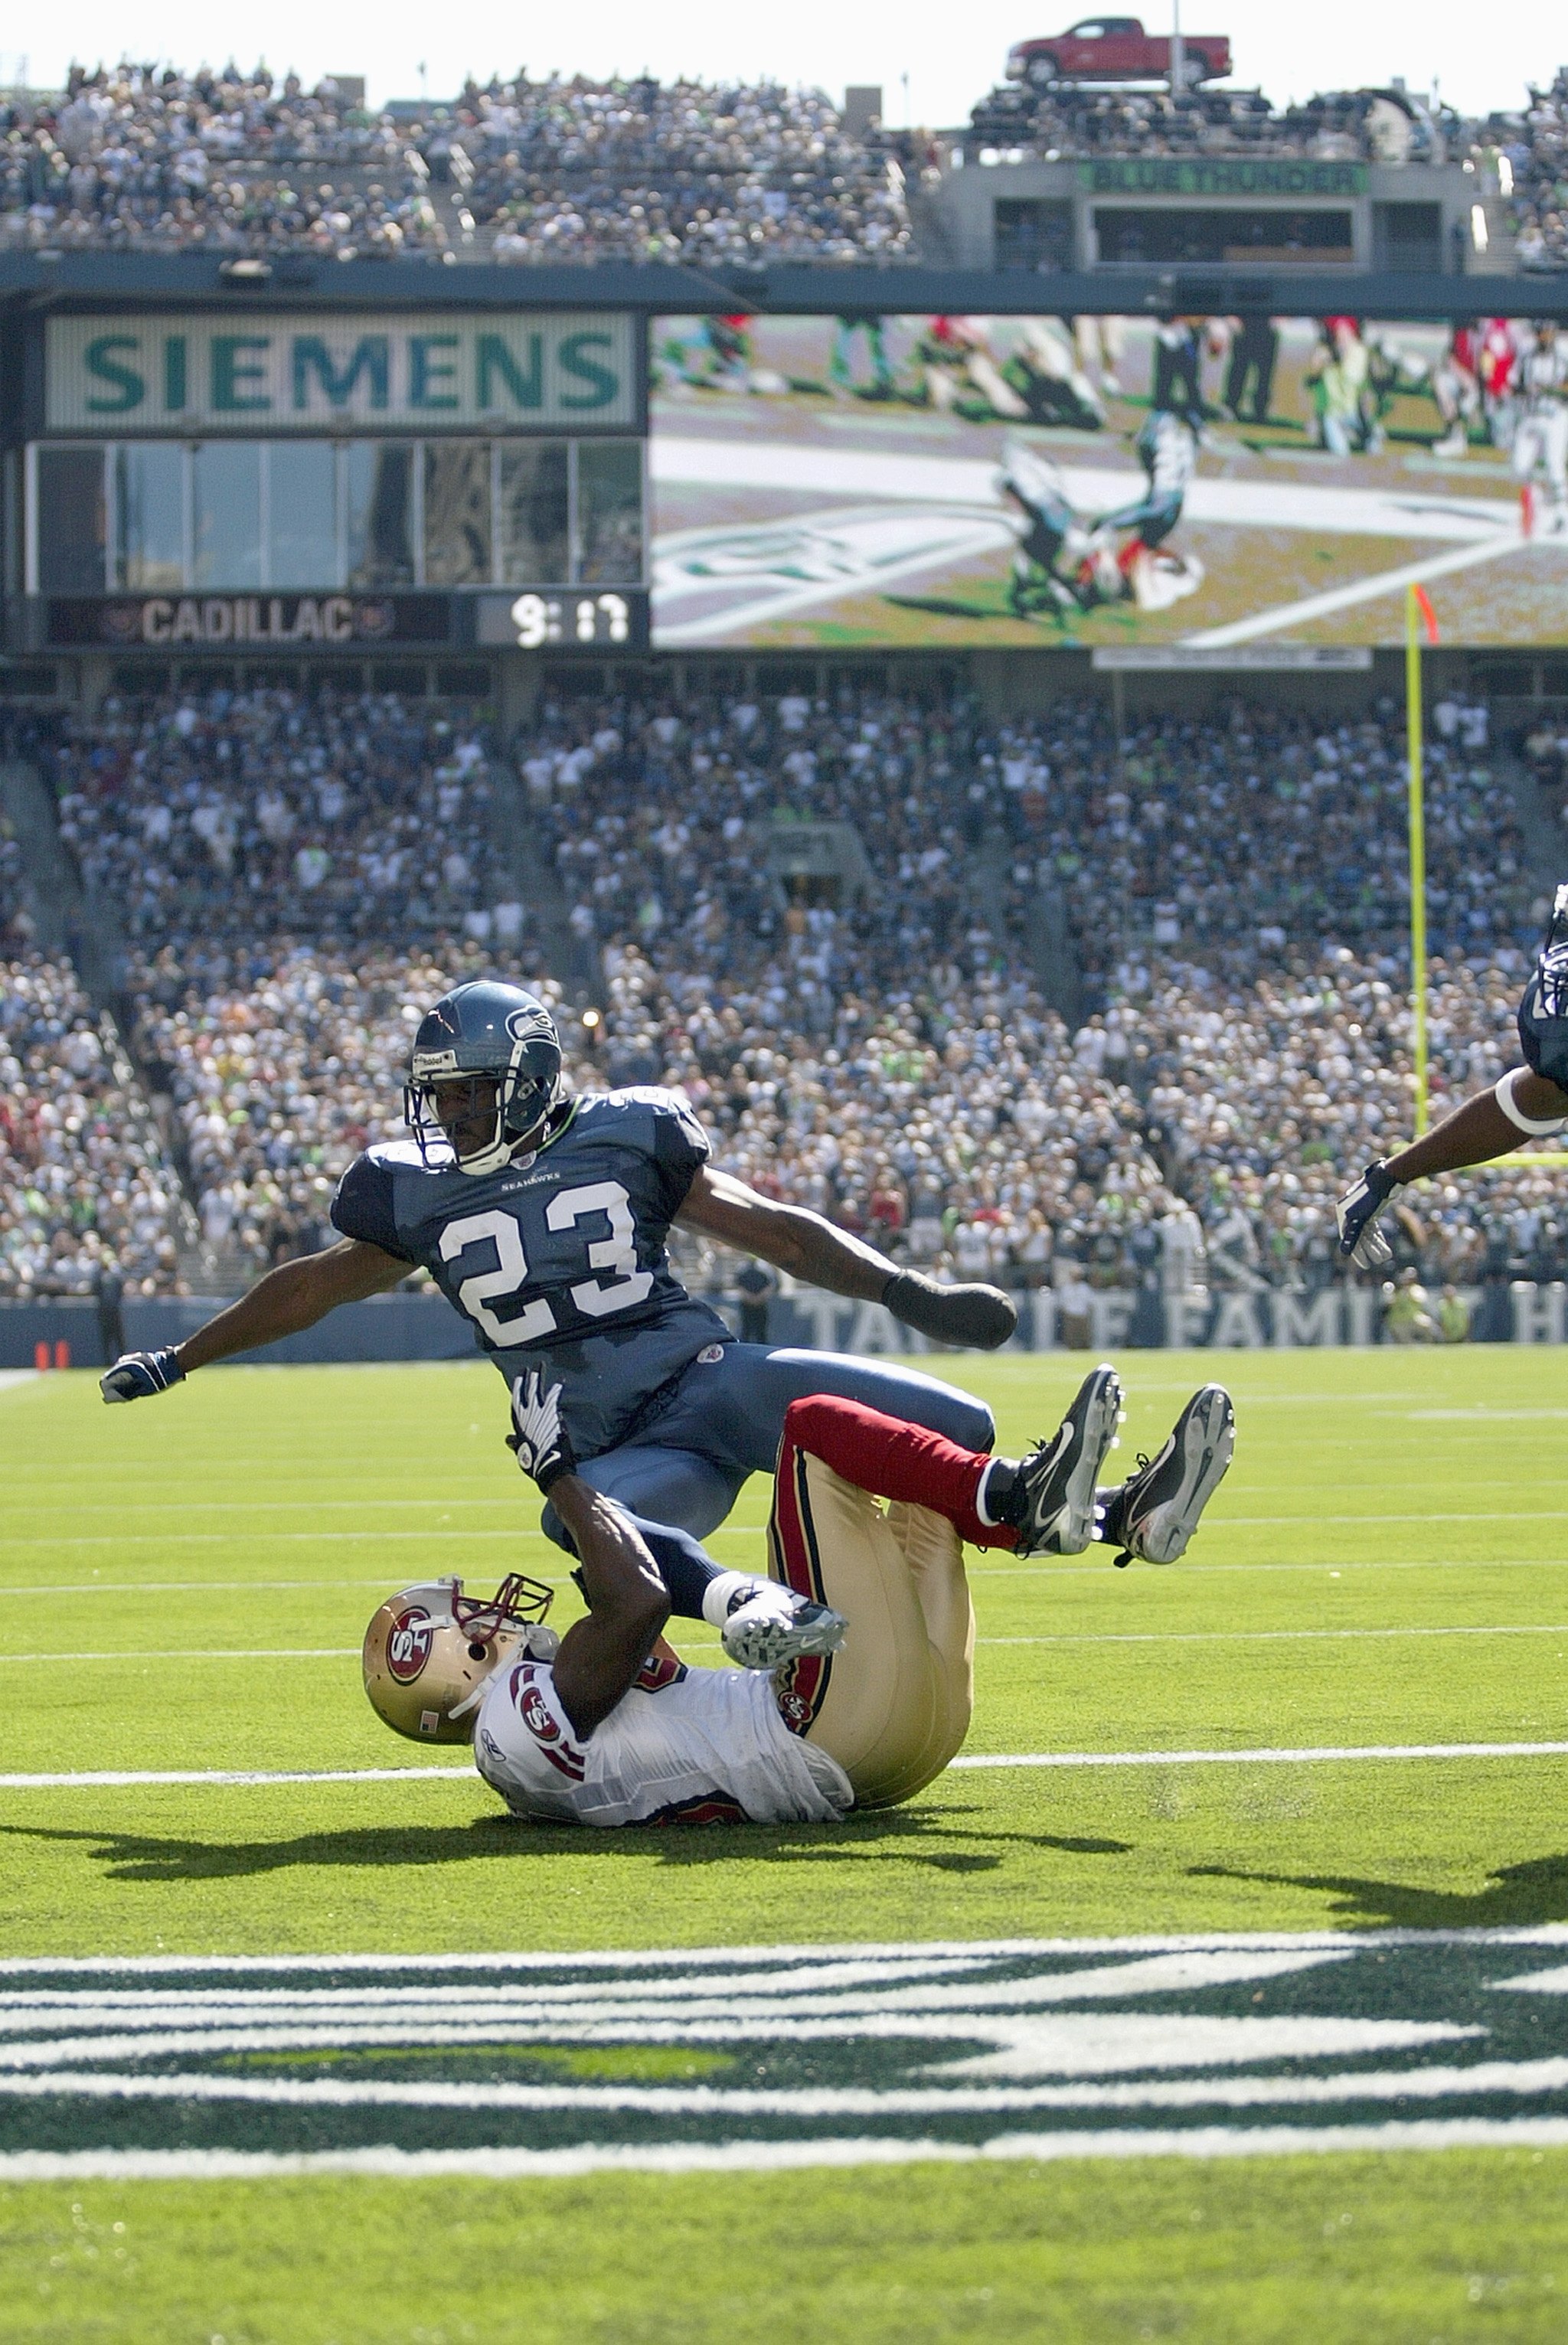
[(725, 1420)]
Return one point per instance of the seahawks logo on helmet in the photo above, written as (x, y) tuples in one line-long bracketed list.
[(504, 1041)]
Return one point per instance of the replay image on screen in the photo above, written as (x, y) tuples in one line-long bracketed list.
[(1209, 481)]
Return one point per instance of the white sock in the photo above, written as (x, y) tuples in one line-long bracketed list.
[(721, 1591)]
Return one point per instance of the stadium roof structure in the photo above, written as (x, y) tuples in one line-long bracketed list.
[(40, 281)]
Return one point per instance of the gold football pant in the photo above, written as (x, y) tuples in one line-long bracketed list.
[(892, 1705)]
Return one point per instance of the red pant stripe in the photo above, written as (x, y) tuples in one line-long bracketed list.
[(894, 1461)]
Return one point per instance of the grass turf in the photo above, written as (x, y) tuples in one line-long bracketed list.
[(1386, 1563)]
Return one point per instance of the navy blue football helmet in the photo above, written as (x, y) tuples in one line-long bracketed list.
[(494, 1034)]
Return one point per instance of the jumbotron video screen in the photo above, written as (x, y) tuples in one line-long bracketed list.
[(1214, 481)]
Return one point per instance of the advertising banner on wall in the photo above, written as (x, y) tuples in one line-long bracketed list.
[(1209, 481), (495, 371)]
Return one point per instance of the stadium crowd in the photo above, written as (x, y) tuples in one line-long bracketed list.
[(1366, 125), (876, 1043), (251, 815), (138, 159), (87, 1199)]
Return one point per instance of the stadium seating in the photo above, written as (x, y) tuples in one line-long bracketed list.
[(559, 170), (878, 1045), (236, 817), (85, 1192), (579, 170)]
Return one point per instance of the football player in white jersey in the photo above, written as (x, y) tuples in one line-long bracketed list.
[(607, 1725), (1540, 438)]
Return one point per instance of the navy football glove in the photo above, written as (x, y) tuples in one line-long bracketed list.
[(978, 1318), (1358, 1210), (539, 1438), (136, 1375)]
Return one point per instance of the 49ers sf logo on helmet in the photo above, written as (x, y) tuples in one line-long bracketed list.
[(408, 1644)]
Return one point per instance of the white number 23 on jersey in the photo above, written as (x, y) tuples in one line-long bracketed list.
[(598, 1297)]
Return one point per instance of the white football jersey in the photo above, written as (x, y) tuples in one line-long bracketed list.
[(1543, 378), (684, 1746)]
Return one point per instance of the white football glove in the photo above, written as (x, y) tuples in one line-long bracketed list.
[(539, 1438), (1358, 1210)]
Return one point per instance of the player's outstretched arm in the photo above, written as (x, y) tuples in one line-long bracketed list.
[(289, 1298), (1523, 1107), (628, 1605), (813, 1250)]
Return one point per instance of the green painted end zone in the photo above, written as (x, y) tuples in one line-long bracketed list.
[(780, 2057)]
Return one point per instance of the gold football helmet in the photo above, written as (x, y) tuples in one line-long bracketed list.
[(431, 1651)]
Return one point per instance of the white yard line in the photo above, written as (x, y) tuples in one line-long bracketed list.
[(221, 1777), (212, 1653), (698, 1643), (1362, 590), (903, 478), (1264, 1636), (123, 1778), (699, 1959), (11, 1378), (1202, 2142), (1305, 1757)]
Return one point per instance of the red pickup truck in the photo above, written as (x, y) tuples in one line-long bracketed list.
[(1116, 48)]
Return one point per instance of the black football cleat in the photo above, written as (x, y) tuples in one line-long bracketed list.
[(1054, 1500), (1155, 1512)]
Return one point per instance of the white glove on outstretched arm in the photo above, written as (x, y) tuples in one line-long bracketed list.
[(539, 1438), (1358, 1210)]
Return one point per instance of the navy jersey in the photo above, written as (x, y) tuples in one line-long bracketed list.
[(559, 1257)]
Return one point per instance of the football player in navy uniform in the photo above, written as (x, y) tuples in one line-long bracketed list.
[(542, 1217), (1530, 1102)]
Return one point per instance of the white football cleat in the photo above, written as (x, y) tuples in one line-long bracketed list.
[(776, 1626)]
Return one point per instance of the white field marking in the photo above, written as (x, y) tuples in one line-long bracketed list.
[(218, 1654), (1075, 2045), (116, 1778), (1204, 2142), (899, 476), (979, 1571), (1262, 1758), (618, 1959), (870, 556), (11, 1378), (1244, 1636), (208, 1587), (1481, 1416), (810, 1990), (1360, 590), (120, 1778), (982, 1572), (1523, 2078), (698, 1643)]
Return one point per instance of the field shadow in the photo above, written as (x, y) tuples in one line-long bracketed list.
[(907, 1836), (1516, 1896)]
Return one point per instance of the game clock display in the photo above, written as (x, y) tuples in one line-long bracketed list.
[(565, 618)]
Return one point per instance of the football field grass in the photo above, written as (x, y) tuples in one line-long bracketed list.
[(1350, 2068)]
